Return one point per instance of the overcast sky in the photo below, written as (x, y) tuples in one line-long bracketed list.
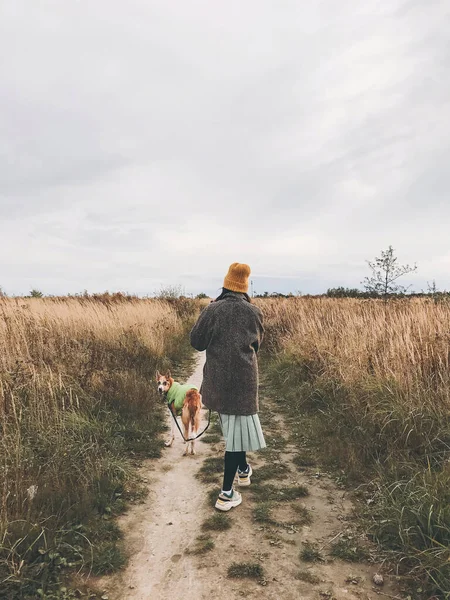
[(151, 142)]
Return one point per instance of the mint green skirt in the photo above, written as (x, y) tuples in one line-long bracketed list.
[(242, 433)]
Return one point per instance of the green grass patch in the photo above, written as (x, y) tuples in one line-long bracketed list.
[(204, 543), (108, 557), (269, 492), (245, 570), (307, 577), (303, 459), (262, 512), (348, 549), (212, 495), (210, 469), (269, 454), (304, 516), (217, 522), (310, 552), (270, 471), (275, 442)]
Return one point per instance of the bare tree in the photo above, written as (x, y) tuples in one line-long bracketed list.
[(171, 292), (385, 275), (434, 292)]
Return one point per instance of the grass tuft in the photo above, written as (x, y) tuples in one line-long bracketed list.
[(269, 492), (304, 516), (303, 459), (246, 570), (349, 549), (307, 576), (108, 557), (262, 513), (210, 470), (310, 552), (217, 522), (270, 471), (212, 495), (204, 543)]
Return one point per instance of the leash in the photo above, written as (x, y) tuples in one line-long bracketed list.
[(179, 428)]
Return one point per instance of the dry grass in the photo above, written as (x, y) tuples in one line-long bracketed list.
[(367, 386), (387, 368), (352, 339), (77, 402)]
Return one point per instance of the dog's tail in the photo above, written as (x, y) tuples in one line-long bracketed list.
[(194, 404)]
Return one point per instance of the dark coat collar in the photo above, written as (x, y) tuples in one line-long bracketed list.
[(235, 295)]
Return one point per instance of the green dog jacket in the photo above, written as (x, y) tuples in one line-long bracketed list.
[(177, 394)]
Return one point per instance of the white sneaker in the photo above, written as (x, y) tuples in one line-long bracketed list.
[(243, 477), (226, 502)]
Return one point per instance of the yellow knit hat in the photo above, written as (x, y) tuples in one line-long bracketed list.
[(236, 279)]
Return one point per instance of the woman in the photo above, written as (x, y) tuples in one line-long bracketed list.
[(231, 329)]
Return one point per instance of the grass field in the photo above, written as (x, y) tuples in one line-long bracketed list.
[(78, 408), (367, 385), (364, 388)]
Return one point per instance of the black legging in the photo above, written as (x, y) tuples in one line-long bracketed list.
[(233, 460)]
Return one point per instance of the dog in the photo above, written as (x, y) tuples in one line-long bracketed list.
[(184, 400)]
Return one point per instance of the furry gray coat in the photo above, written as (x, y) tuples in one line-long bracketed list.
[(231, 331)]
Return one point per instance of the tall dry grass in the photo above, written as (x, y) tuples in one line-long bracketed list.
[(77, 403), (370, 385)]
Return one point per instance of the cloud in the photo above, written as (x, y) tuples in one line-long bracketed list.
[(156, 143)]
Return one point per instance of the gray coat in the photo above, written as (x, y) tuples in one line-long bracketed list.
[(231, 331)]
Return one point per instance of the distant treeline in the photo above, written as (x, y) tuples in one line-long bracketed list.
[(345, 292), (337, 292)]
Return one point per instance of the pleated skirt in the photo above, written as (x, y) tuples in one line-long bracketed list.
[(242, 433)]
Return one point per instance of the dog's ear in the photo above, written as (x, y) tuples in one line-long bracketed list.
[(158, 375), (168, 375)]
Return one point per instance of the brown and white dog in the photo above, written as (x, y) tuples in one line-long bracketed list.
[(187, 402)]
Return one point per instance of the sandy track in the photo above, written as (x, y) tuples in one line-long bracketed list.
[(160, 531)]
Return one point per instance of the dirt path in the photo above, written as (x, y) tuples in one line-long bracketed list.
[(161, 533)]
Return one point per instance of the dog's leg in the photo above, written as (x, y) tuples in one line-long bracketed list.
[(195, 428), (186, 435), (185, 421), (193, 434), (191, 444)]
